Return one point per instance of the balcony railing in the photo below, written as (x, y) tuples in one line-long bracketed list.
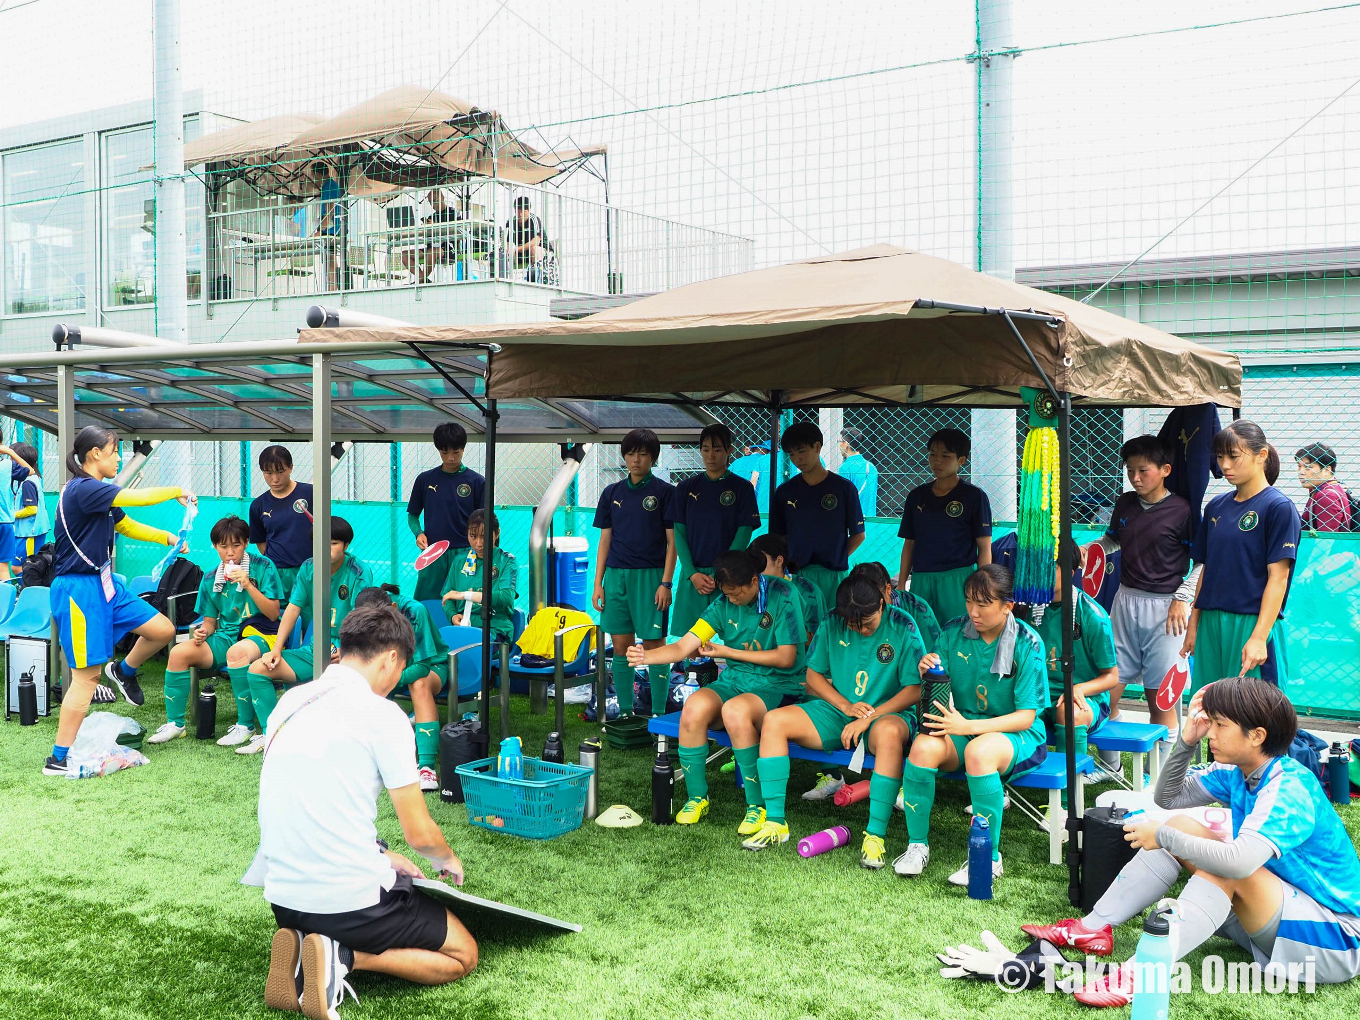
[(465, 234)]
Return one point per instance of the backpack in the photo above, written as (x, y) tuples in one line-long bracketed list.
[(177, 592), (1308, 749), (39, 569)]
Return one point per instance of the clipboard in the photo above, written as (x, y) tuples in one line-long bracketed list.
[(459, 902)]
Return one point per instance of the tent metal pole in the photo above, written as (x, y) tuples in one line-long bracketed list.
[(1066, 658), (488, 560), (1024, 346), (776, 406), (321, 514)]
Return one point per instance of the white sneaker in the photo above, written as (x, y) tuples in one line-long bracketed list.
[(166, 733), (428, 779), (1005, 805), (825, 787), (960, 877), (323, 978), (914, 861), (237, 734), (899, 804), (253, 746)]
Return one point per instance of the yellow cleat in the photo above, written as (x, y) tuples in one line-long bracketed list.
[(770, 834), (695, 808), (750, 825), (872, 853)]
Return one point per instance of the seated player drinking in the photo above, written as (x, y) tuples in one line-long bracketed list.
[(861, 680), (997, 678), (464, 581), (239, 603), (1285, 887), (292, 665), (757, 626), (425, 677)]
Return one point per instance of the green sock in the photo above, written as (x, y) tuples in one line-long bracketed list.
[(882, 795), (989, 797), (176, 695), (774, 785), (1079, 737), (263, 697), (660, 679), (918, 797), (750, 777), (623, 681), (240, 689), (693, 760), (427, 743)]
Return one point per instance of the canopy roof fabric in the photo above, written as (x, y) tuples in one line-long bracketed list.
[(866, 326), (263, 391), (406, 136)]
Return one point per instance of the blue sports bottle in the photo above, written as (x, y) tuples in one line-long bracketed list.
[(980, 859)]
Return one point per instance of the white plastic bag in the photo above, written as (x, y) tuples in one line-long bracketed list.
[(97, 752)]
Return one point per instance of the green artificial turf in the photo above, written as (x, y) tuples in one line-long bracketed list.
[(119, 899)]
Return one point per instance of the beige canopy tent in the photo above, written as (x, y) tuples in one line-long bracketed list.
[(252, 150), (878, 325)]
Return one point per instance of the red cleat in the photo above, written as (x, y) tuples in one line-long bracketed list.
[(1068, 934), (1112, 989)]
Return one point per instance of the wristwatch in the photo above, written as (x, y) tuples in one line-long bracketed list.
[(667, 584), (382, 844)]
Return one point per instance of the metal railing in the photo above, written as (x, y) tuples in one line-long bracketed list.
[(467, 233)]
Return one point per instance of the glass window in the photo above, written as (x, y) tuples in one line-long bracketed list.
[(129, 219), (46, 237)]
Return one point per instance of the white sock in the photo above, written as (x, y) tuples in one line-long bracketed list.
[(1139, 884)]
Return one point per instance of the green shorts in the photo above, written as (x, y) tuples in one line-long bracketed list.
[(287, 575), (1100, 707), (1027, 752), (415, 672), (1218, 649), (689, 605), (734, 681), (299, 660), (630, 603), (826, 580), (942, 590), (830, 720)]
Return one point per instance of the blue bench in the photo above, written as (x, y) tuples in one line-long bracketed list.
[(1051, 775), (1138, 739)]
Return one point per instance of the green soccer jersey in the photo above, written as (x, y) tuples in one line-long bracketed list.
[(1093, 649), (747, 627), (346, 583), (465, 574), (871, 669), (981, 694), (814, 606), (921, 614), (431, 648), (232, 608)]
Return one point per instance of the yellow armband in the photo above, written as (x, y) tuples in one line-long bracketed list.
[(703, 631), (129, 528), (147, 497)]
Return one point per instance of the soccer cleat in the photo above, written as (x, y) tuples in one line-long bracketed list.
[(236, 734), (872, 853), (127, 686), (429, 780), (103, 695), (695, 808), (1069, 932), (1005, 805), (825, 787), (1113, 988), (283, 986), (750, 825), (323, 978), (960, 877), (165, 733), (252, 746), (52, 767), (770, 834), (914, 861)]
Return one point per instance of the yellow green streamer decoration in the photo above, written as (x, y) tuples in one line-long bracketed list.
[(1037, 531)]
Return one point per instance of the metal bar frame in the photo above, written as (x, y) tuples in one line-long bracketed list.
[(321, 513)]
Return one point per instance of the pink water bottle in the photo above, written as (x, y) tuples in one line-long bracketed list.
[(821, 842)]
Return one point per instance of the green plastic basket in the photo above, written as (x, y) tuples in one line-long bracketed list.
[(550, 800)]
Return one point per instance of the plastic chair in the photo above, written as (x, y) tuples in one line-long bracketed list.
[(465, 666), (141, 584), (581, 665), (32, 614), (436, 610), (8, 594)]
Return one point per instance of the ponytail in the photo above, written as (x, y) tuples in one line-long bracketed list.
[(1272, 464), (89, 438), (775, 547), (1247, 435)]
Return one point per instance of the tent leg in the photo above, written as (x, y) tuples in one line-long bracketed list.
[(321, 515), (775, 401), (488, 559), (1068, 624), (58, 668)]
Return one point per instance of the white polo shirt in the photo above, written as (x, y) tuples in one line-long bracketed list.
[(323, 771)]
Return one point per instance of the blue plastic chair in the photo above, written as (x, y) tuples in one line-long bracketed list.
[(518, 621), (8, 593), (141, 584), (465, 648), (32, 615), (436, 611)]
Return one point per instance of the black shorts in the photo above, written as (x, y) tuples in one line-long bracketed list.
[(403, 918)]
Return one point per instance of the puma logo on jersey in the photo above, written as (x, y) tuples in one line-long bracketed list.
[(792, 502), (693, 495), (1185, 440), (265, 514), (1213, 520), (432, 488), (617, 503), (844, 644), (965, 658)]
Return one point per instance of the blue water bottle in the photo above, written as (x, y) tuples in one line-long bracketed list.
[(1152, 999), (1339, 773), (510, 762), (980, 859)]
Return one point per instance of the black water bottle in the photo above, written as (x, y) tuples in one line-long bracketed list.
[(207, 714), (663, 786), (552, 749), (28, 700)]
